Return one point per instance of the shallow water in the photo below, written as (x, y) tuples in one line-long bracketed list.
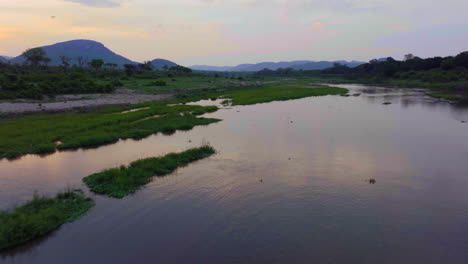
[(289, 185)]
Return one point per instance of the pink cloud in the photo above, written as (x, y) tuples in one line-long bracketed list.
[(318, 25)]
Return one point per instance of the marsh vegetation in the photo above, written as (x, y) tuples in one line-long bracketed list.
[(124, 180), (38, 134), (40, 216)]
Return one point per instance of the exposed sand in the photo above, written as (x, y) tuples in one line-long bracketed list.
[(79, 102)]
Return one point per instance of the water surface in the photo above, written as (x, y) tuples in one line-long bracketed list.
[(289, 185)]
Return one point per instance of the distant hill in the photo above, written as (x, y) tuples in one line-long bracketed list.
[(88, 49), (4, 58), (297, 65), (159, 64)]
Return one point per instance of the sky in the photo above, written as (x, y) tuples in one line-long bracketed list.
[(230, 32)]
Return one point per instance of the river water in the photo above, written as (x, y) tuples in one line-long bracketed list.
[(289, 184)]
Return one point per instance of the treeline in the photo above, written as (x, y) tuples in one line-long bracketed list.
[(35, 79), (430, 70), (33, 82), (390, 67)]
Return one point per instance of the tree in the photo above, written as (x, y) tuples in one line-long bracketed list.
[(461, 60), (46, 61), (447, 64), (147, 65), (35, 56), (111, 65), (130, 69), (81, 61), (409, 56), (96, 64), (180, 69), (65, 61)]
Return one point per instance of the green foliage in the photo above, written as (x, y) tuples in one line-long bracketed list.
[(119, 182), (33, 82), (96, 63), (390, 66), (278, 92), (157, 83), (447, 96), (37, 134), (35, 56), (40, 216), (180, 69)]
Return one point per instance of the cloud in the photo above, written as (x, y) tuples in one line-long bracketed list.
[(98, 3), (318, 25)]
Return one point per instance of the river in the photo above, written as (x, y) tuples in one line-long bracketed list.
[(289, 184)]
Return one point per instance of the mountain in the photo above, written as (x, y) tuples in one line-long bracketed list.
[(297, 65), (88, 49), (4, 58), (159, 64)]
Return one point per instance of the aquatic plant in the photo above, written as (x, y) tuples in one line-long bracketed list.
[(279, 92), (40, 216), (121, 181)]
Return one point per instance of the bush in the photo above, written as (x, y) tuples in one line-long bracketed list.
[(157, 83)]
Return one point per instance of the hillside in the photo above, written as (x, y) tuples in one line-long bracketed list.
[(297, 65), (73, 49), (4, 58)]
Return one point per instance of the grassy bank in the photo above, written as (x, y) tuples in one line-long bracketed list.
[(450, 97), (119, 182), (279, 92), (45, 133), (40, 216)]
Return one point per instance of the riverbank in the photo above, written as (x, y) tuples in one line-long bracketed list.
[(79, 102)]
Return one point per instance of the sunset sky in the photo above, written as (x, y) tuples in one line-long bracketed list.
[(229, 32)]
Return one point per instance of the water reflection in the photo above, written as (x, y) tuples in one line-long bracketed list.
[(313, 205)]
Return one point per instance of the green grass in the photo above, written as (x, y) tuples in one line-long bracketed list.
[(446, 96), (279, 92), (38, 134), (119, 182), (176, 83), (40, 216)]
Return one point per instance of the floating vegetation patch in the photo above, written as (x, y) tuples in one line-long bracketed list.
[(121, 181), (40, 216)]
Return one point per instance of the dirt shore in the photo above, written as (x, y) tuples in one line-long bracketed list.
[(78, 102)]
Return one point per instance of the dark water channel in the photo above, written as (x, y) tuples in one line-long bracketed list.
[(289, 185)]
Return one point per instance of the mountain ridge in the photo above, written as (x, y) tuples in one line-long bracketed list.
[(297, 65), (88, 49)]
